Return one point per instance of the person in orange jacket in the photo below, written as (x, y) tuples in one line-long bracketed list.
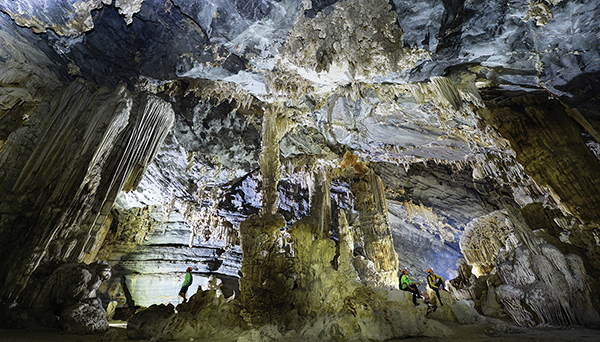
[(436, 283)]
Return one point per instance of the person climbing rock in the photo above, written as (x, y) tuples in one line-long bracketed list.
[(436, 283), (407, 285), (186, 283)]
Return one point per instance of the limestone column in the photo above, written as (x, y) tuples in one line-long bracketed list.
[(267, 263), (371, 205)]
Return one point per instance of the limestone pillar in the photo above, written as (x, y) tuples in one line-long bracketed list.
[(267, 266), (375, 228)]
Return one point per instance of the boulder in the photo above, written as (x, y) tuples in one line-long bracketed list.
[(84, 318), (149, 323), (67, 285), (464, 311), (62, 296)]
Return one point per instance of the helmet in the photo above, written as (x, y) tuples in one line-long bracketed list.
[(429, 270), (404, 271), (189, 269)]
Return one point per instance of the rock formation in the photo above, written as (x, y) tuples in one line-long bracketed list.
[(64, 297), (296, 155)]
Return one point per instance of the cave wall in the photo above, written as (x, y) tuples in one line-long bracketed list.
[(264, 113), (65, 168), (552, 145), (149, 254), (425, 235)]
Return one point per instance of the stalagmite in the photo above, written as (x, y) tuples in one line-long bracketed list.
[(374, 222), (267, 273)]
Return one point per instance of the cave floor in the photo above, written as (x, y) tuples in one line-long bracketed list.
[(473, 333), (476, 333)]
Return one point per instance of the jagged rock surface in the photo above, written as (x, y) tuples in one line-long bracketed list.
[(65, 297), (84, 318)]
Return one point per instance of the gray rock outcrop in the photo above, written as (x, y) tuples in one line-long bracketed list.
[(63, 297)]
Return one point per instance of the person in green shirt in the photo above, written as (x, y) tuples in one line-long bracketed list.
[(407, 285), (436, 283), (186, 283)]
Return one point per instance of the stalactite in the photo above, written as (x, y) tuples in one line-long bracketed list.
[(594, 147), (269, 162), (286, 85), (470, 93), (147, 128), (205, 222), (221, 91), (151, 129), (446, 92), (302, 175), (443, 92), (315, 46), (94, 143)]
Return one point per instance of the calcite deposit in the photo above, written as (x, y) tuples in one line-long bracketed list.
[(296, 155)]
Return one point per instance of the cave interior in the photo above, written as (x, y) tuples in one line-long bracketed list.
[(298, 155)]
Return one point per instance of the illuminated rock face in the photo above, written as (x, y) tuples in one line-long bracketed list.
[(548, 288), (533, 280), (118, 136), (151, 253), (311, 148)]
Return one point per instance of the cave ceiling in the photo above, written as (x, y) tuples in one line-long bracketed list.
[(438, 96)]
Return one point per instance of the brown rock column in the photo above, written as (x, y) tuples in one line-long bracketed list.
[(267, 269), (370, 203), (267, 265)]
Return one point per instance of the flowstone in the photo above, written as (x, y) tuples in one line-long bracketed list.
[(545, 289), (536, 284)]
